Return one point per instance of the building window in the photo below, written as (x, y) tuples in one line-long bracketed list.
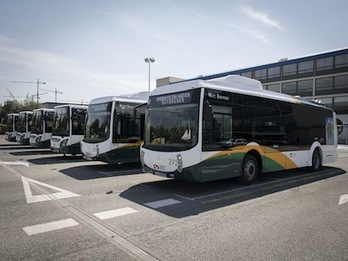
[(341, 63), (326, 101), (324, 86), (289, 71), (305, 88), (273, 87), (274, 73), (289, 88), (325, 65), (305, 68), (341, 84), (341, 105), (246, 74), (261, 74)]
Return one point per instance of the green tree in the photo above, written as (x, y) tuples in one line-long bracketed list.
[(14, 107)]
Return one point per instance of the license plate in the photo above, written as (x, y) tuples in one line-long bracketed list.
[(162, 174)]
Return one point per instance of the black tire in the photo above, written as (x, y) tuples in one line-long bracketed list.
[(250, 170), (316, 161)]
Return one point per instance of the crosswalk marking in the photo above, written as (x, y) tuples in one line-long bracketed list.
[(115, 213), (162, 203), (15, 163), (50, 226)]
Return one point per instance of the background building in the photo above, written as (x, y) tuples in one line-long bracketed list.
[(322, 77)]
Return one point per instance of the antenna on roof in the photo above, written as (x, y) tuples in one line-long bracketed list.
[(282, 60)]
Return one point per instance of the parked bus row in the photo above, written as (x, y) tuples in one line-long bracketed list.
[(110, 129), (196, 130)]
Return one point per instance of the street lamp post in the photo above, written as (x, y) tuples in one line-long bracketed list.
[(149, 61)]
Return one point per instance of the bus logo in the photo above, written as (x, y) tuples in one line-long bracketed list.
[(159, 167)]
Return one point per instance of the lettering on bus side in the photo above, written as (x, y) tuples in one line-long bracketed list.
[(218, 96)]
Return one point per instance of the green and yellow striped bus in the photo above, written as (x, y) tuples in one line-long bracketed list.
[(204, 130)]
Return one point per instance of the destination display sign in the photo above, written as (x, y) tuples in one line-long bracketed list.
[(185, 97), (100, 107)]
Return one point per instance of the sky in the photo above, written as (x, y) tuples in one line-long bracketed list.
[(92, 48)]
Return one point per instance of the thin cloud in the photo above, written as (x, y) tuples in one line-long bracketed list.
[(235, 26), (144, 31), (66, 73), (261, 17)]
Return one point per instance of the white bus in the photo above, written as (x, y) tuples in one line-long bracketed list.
[(41, 128), (68, 128), (24, 127), (203, 130), (11, 130), (114, 128)]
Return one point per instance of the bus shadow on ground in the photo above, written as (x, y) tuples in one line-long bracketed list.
[(15, 146), (55, 159), (32, 151), (187, 199), (102, 170)]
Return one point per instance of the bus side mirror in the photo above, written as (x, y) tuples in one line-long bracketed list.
[(207, 112)]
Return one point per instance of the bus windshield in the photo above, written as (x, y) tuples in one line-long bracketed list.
[(37, 122), (172, 122), (98, 122), (21, 122), (61, 122), (10, 122)]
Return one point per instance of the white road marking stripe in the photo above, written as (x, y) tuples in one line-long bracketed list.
[(343, 199), (50, 226), (17, 163), (115, 213), (40, 198), (162, 203)]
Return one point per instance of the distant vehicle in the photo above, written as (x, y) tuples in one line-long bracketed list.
[(41, 128), (24, 127), (203, 130), (232, 142), (239, 142), (114, 128), (68, 128), (11, 130)]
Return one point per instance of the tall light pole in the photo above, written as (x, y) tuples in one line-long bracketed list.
[(149, 61)]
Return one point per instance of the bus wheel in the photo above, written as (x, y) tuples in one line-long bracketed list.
[(250, 170), (316, 161)]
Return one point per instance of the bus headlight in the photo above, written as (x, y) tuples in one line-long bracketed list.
[(63, 143), (179, 158), (142, 155)]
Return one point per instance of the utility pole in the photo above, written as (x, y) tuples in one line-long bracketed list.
[(55, 93), (37, 88)]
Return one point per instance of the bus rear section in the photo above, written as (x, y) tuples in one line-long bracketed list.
[(114, 129), (68, 128), (209, 130)]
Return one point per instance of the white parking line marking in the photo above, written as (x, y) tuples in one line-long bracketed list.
[(50, 226), (39, 198), (162, 203), (15, 163), (115, 213), (343, 199)]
